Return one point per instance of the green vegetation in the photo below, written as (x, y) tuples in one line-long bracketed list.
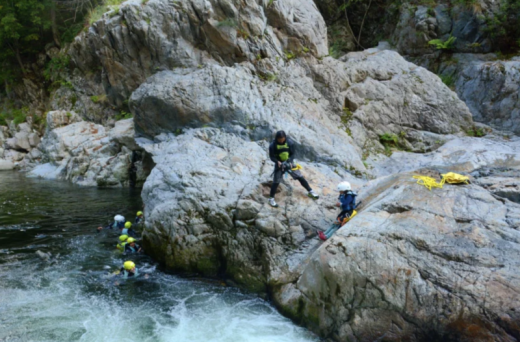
[(17, 116), (443, 45), (227, 23), (123, 115), (97, 12), (55, 66), (99, 98), (389, 139), (339, 43), (476, 132), (243, 34), (448, 80), (504, 26), (289, 55), (345, 118), (27, 27)]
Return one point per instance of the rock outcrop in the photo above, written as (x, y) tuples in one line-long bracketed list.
[(18, 145), (207, 209), (139, 39), (415, 264), (489, 87), (89, 154)]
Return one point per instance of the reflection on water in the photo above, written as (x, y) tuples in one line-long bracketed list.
[(71, 297)]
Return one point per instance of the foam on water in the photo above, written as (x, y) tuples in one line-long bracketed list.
[(74, 297)]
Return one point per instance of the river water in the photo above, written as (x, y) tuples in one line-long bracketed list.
[(72, 297)]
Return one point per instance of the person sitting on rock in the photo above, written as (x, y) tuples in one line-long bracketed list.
[(131, 247), (119, 223), (347, 203), (127, 230), (122, 242), (139, 217), (281, 152)]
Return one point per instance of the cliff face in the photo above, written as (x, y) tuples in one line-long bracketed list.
[(209, 82), (470, 44)]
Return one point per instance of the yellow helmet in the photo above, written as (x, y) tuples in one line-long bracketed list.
[(123, 238), (128, 265), (139, 213), (130, 240), (128, 224)]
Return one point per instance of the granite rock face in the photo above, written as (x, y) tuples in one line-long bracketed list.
[(167, 35), (415, 264), (491, 90), (89, 154)]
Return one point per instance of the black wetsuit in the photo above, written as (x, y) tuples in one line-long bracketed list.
[(129, 249), (275, 150)]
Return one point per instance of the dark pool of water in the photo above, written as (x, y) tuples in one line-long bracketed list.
[(74, 297)]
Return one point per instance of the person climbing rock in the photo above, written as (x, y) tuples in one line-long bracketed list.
[(122, 243), (139, 217), (347, 203), (119, 223), (281, 152), (127, 230), (131, 247)]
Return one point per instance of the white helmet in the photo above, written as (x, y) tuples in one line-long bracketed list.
[(119, 218), (344, 186)]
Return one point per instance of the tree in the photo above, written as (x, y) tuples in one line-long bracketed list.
[(23, 24)]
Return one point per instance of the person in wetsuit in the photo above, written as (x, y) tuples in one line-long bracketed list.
[(347, 203), (281, 153), (119, 223), (131, 247)]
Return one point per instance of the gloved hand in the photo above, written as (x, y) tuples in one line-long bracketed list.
[(286, 165)]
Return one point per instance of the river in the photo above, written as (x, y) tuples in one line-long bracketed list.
[(72, 297)]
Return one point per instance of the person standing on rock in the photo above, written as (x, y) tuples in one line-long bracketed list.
[(281, 152)]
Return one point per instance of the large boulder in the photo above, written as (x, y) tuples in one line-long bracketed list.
[(463, 155), (364, 97), (88, 154), (490, 88), (207, 211), (6, 165), (233, 98), (415, 265), (381, 93), (471, 25), (138, 39)]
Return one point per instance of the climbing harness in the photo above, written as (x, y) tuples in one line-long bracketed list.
[(346, 219), (295, 173)]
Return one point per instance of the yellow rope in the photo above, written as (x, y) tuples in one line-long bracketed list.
[(429, 182), (450, 177), (298, 167)]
